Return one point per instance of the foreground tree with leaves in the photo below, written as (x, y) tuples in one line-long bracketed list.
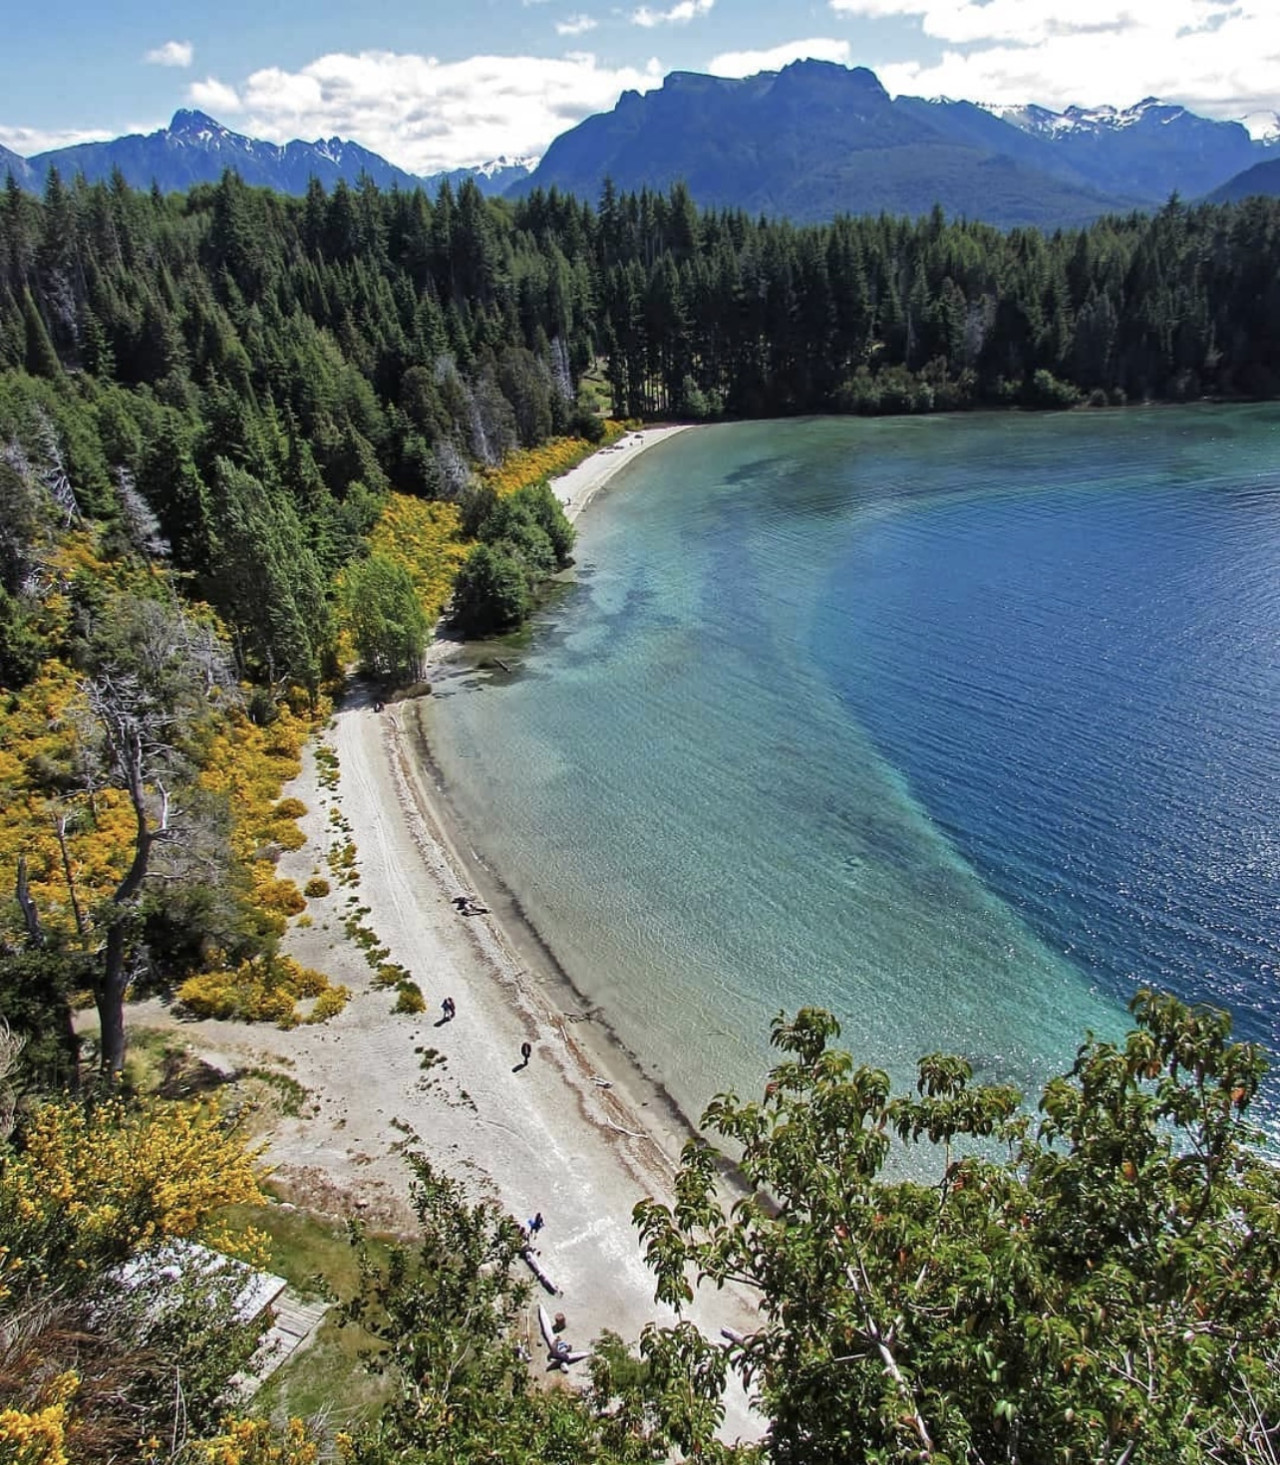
[(1098, 1283), (153, 675), (448, 1319)]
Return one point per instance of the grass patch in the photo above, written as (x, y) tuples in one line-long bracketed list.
[(293, 1096), (328, 1377)]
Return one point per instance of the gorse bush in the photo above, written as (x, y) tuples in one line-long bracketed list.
[(266, 989), (110, 1316)]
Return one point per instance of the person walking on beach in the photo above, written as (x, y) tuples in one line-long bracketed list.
[(526, 1052), (449, 1008), (535, 1223)]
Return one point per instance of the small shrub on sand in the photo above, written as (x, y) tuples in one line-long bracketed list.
[(316, 887), (410, 998), (390, 974), (329, 1004)]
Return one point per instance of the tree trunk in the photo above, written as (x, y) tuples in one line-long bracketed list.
[(108, 995), (30, 916)]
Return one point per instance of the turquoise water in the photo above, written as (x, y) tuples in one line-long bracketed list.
[(963, 728)]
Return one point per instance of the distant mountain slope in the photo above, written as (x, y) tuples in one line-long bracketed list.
[(1150, 150), (1262, 178), (194, 148), (11, 163), (815, 139)]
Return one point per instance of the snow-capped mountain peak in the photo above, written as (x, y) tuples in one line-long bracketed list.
[(504, 164), (1263, 127), (196, 127), (1045, 122)]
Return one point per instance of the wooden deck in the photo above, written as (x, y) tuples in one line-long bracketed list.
[(295, 1324)]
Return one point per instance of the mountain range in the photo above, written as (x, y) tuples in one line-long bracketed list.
[(194, 148), (816, 138), (806, 142), (1262, 178)]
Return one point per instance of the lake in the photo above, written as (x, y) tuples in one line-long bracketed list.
[(963, 727)]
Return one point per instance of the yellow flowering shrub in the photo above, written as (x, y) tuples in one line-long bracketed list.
[(255, 1442), (93, 1186), (266, 989), (549, 460), (425, 538), (39, 1436), (328, 1004), (40, 733)]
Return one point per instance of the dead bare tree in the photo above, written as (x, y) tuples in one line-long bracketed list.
[(153, 672), (11, 1046)]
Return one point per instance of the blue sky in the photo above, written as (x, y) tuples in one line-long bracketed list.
[(432, 84)]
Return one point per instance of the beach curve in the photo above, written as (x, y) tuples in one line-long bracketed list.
[(576, 1133)]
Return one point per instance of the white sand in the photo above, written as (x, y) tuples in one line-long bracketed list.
[(576, 488), (547, 1137)]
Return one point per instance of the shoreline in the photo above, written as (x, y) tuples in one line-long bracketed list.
[(579, 486), (621, 1064), (578, 1132)]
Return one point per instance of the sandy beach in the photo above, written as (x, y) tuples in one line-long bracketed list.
[(575, 1133), (579, 486)]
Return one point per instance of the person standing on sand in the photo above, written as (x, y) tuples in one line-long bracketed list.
[(449, 1008), (526, 1051)]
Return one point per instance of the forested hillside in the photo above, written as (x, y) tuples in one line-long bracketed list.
[(339, 344), (259, 372)]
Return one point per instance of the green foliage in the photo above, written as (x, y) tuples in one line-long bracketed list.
[(22, 648), (492, 592), (265, 580), (524, 537), (35, 988), (387, 620), (1099, 1284), (446, 1322)]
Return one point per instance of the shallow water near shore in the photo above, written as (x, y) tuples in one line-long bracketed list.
[(963, 728)]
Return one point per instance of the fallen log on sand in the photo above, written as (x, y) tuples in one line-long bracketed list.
[(536, 1268)]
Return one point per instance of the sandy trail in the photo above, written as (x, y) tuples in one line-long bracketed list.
[(549, 1136)]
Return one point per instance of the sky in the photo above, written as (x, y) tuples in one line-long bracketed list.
[(432, 84)]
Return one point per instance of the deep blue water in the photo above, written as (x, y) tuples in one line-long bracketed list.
[(1081, 683), (964, 728)]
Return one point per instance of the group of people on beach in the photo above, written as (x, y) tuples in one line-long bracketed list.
[(559, 1353)]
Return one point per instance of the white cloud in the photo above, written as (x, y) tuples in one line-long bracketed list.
[(575, 25), (172, 53), (212, 95), (425, 114), (1220, 57), (680, 14), (747, 63), (28, 141)]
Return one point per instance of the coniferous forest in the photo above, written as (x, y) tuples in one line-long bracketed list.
[(276, 365)]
